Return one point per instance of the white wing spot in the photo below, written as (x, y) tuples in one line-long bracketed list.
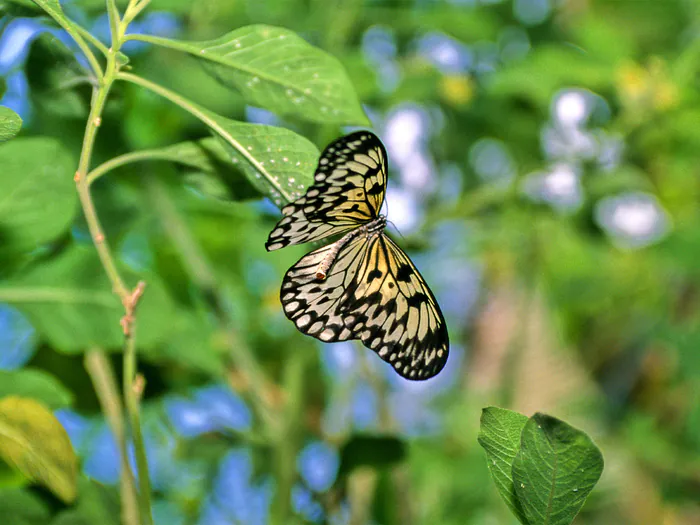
[(326, 335), (290, 307)]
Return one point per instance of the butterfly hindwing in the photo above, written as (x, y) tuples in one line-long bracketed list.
[(392, 311), (315, 305), (372, 293), (348, 191)]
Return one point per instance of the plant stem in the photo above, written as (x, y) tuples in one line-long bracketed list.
[(121, 160), (132, 396), (127, 298), (93, 40), (102, 376), (287, 440), (93, 222), (114, 22)]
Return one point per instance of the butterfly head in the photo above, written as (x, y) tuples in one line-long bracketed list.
[(377, 225)]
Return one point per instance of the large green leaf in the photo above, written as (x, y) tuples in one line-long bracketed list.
[(10, 123), (278, 162), (276, 69), (35, 384), (554, 471), (38, 201), (21, 507), (499, 436), (69, 301), (33, 440)]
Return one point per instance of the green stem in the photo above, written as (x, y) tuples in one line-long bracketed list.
[(93, 222), (94, 41), (132, 398), (56, 295), (102, 376), (114, 22), (122, 160), (118, 286), (287, 440), (133, 9)]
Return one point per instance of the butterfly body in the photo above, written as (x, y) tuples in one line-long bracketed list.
[(373, 227), (362, 286)]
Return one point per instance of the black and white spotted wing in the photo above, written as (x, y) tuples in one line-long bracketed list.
[(348, 191), (373, 293)]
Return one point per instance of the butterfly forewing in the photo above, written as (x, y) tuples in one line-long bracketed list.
[(348, 191), (363, 286)]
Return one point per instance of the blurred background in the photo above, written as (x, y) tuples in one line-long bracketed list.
[(544, 178)]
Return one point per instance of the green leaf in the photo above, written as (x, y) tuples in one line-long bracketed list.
[(35, 384), (373, 451), (96, 504), (33, 440), (276, 69), (555, 469), (69, 301), (278, 162), (10, 123), (216, 174), (499, 436), (37, 194), (21, 507)]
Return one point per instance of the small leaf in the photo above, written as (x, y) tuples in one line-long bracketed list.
[(276, 69), (10, 123), (373, 451), (38, 201), (499, 436), (554, 471), (33, 440), (35, 384), (69, 301)]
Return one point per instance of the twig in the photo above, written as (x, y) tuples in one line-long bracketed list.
[(128, 298), (130, 302), (103, 380)]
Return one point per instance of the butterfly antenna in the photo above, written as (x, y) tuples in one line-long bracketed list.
[(397, 230)]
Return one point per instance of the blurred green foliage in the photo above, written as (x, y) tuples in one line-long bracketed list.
[(570, 318)]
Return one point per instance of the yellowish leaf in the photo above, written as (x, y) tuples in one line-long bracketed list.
[(33, 441)]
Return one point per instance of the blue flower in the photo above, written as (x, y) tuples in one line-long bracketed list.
[(318, 464)]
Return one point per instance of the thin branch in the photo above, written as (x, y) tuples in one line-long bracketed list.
[(92, 39), (128, 298), (103, 380), (122, 160), (114, 23)]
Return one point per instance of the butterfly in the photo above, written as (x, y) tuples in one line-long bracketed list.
[(362, 286)]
